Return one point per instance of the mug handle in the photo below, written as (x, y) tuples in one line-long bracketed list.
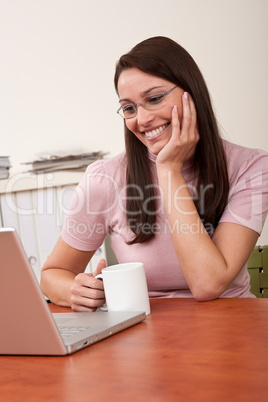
[(104, 307)]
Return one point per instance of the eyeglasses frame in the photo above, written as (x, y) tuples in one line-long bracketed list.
[(141, 104)]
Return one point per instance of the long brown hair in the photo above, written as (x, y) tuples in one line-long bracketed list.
[(162, 57)]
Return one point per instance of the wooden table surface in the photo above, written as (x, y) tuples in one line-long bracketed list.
[(184, 351)]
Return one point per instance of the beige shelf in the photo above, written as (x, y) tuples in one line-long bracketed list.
[(31, 181)]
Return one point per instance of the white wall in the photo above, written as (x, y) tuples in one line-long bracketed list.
[(57, 61)]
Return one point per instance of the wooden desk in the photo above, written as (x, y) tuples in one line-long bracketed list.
[(184, 351)]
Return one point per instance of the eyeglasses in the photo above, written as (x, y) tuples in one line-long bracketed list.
[(150, 103)]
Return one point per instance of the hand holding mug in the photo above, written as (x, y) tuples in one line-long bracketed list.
[(125, 287), (87, 292)]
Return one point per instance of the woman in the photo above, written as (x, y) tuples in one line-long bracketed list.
[(186, 203)]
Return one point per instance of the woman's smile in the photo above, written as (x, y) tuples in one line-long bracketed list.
[(156, 132)]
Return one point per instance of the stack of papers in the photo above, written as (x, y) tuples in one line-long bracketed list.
[(4, 167), (52, 163)]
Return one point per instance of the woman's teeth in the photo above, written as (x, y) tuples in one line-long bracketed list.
[(154, 133)]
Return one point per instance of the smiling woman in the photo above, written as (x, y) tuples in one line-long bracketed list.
[(162, 61), (183, 201)]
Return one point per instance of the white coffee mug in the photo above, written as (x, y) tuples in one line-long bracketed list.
[(125, 287)]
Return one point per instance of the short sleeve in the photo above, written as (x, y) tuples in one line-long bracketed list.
[(248, 196), (87, 222)]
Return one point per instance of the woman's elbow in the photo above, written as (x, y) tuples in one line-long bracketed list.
[(202, 294)]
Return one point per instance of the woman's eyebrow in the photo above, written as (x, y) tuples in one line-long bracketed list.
[(143, 94)]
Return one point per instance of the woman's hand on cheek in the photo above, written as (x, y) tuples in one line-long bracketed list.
[(184, 137)]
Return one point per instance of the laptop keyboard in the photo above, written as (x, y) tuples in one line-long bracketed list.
[(70, 331)]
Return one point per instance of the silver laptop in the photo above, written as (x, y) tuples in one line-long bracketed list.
[(27, 325)]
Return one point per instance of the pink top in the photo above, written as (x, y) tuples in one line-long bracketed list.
[(98, 208)]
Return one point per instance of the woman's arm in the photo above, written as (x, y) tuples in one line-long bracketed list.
[(209, 265), (64, 282)]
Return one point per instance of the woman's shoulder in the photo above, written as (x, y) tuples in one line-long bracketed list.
[(106, 173), (235, 150), (240, 158), (110, 166), (103, 178)]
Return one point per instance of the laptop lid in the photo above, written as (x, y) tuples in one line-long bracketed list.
[(27, 325)]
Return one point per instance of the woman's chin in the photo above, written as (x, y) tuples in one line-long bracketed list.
[(156, 147)]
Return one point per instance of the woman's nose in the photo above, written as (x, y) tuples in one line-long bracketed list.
[(143, 115)]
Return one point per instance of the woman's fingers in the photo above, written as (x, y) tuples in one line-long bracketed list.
[(87, 293), (175, 122), (101, 264)]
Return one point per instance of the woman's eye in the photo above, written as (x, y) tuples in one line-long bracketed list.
[(155, 98), (128, 109)]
